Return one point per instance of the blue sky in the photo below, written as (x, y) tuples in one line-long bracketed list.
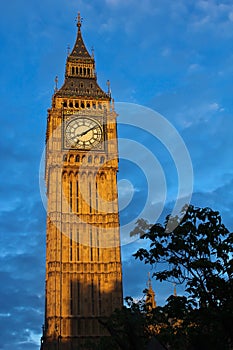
[(175, 57)]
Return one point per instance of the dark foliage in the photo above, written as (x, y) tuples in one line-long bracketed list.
[(198, 254), (195, 251)]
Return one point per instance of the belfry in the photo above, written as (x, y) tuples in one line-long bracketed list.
[(83, 260)]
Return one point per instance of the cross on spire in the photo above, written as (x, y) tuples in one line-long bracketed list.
[(79, 20)]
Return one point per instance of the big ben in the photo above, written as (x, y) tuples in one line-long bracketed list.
[(83, 261)]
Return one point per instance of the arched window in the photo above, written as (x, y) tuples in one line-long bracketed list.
[(102, 177), (71, 158), (90, 197), (71, 245), (77, 196), (71, 196), (77, 158), (72, 70), (96, 196), (91, 244), (102, 160), (89, 159)]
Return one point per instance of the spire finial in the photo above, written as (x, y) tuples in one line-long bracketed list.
[(56, 83), (113, 104), (109, 88), (150, 297), (174, 292), (79, 21), (68, 50), (92, 52), (149, 281)]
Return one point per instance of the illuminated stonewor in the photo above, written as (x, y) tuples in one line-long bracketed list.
[(150, 296), (83, 262)]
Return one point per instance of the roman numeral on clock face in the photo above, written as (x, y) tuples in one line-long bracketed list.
[(83, 133)]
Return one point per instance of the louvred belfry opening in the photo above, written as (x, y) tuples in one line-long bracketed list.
[(83, 260)]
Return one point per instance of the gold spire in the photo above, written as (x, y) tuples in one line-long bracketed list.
[(109, 88), (56, 83), (149, 281), (174, 292), (150, 297)]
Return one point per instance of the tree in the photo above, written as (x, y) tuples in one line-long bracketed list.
[(130, 328), (127, 326), (195, 251)]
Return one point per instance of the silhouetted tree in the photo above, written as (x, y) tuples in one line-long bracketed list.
[(195, 251), (130, 328)]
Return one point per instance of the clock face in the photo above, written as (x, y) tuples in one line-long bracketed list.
[(83, 133)]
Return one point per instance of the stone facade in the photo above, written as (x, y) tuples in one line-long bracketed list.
[(83, 262)]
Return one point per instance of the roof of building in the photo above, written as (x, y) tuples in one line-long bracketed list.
[(80, 77), (80, 50)]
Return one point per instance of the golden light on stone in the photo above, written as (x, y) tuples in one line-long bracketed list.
[(83, 261)]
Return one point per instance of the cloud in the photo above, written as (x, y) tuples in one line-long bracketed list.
[(175, 57), (22, 303), (220, 198), (231, 16), (194, 67), (166, 52), (209, 13)]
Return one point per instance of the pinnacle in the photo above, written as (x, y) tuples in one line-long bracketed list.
[(79, 50)]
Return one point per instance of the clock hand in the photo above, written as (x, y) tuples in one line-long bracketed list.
[(86, 131), (82, 133)]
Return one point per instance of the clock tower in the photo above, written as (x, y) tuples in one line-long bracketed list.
[(83, 262)]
